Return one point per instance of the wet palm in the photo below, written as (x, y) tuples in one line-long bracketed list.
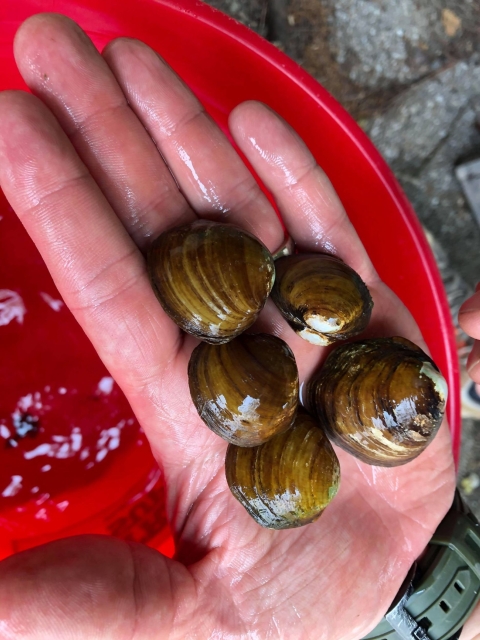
[(92, 190)]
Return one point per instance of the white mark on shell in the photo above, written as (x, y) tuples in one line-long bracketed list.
[(438, 380), (405, 411), (313, 337), (322, 324)]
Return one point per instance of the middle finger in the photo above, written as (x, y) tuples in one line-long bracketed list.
[(210, 173)]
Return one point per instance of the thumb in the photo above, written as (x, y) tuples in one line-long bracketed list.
[(90, 587)]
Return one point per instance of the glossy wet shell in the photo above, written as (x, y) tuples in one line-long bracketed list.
[(245, 391), (321, 297), (288, 481), (381, 400), (211, 279)]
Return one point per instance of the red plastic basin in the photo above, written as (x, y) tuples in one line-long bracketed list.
[(67, 433)]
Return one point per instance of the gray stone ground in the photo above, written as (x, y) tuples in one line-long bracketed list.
[(409, 72), (424, 133)]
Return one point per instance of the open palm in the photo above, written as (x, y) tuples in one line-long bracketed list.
[(93, 184)]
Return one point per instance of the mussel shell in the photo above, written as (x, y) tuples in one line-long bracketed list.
[(288, 481), (245, 391), (212, 279), (381, 400), (322, 298)]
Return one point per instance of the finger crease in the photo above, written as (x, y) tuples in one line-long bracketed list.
[(295, 178), (250, 192), (122, 286), (42, 199), (175, 127), (80, 126), (142, 220)]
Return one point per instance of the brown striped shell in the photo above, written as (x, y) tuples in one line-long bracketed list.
[(246, 390), (321, 297), (212, 279), (381, 400), (288, 481)]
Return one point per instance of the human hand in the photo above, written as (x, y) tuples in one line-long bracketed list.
[(93, 190), (469, 320)]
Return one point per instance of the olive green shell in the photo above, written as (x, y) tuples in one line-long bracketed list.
[(321, 297), (288, 481), (381, 400), (212, 279), (245, 391)]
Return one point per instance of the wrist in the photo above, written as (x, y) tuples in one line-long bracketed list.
[(443, 588), (471, 629)]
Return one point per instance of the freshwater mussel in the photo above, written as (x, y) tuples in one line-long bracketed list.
[(322, 298), (381, 400), (212, 279), (288, 481), (246, 390)]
